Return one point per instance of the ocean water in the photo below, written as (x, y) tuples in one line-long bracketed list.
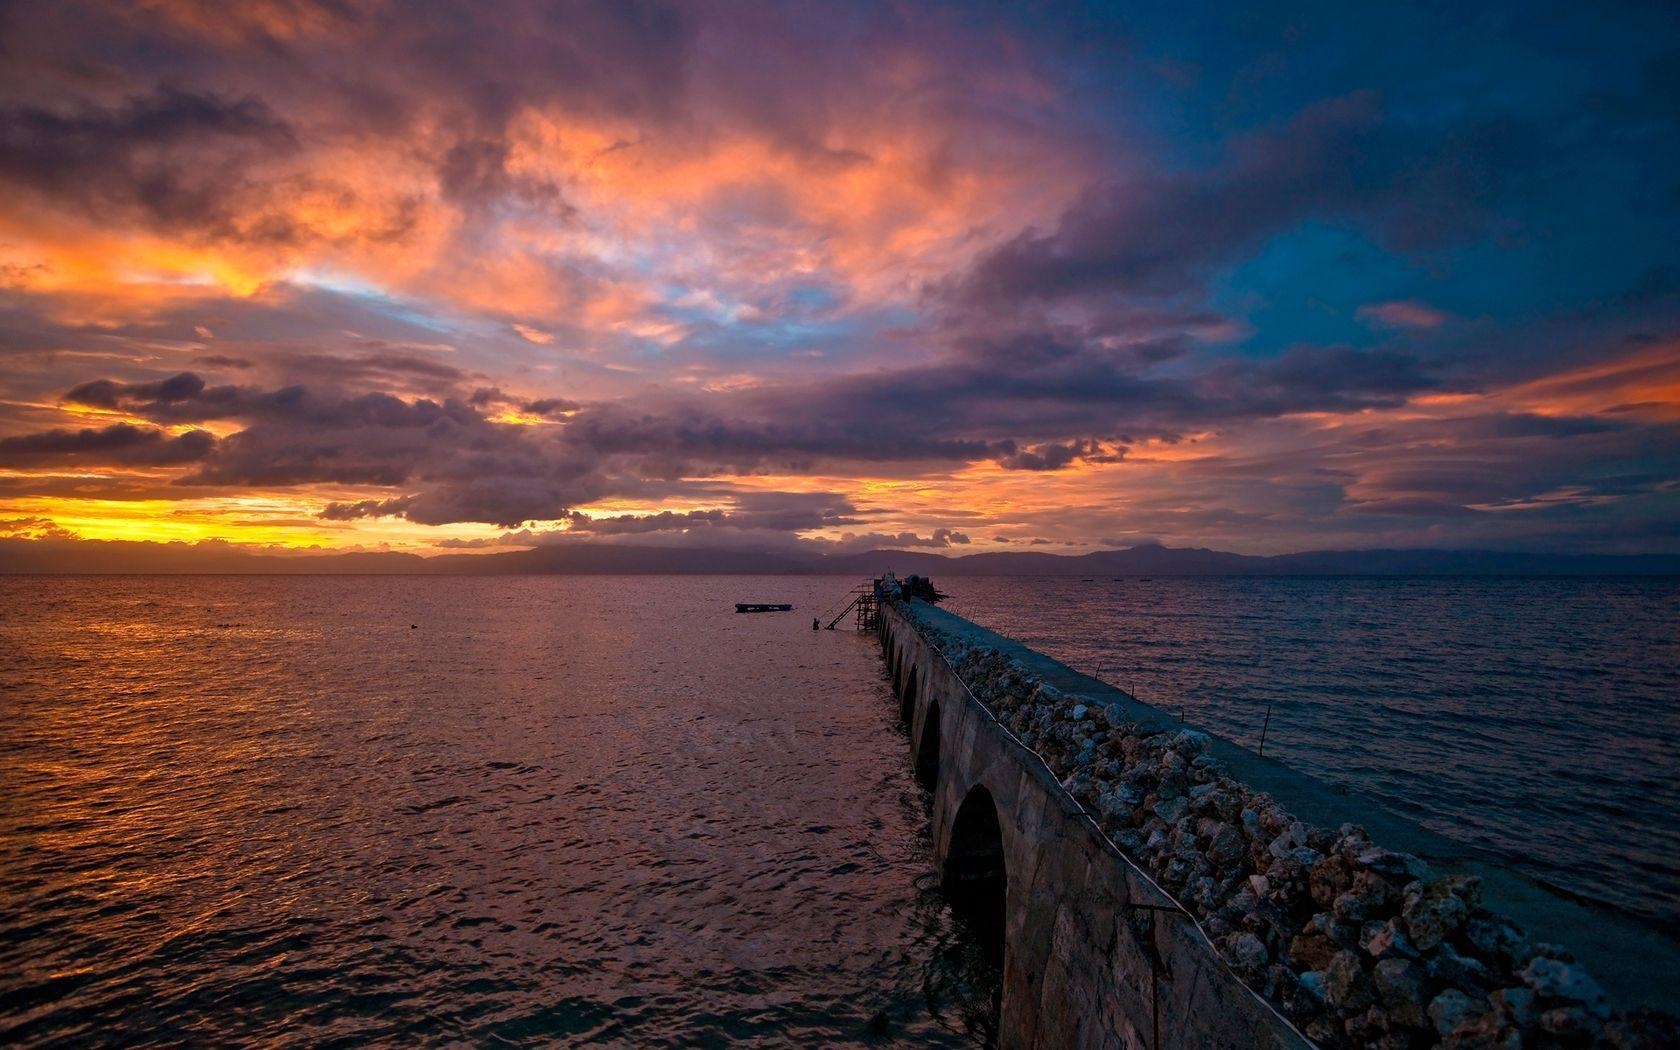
[(1538, 718), (267, 810)]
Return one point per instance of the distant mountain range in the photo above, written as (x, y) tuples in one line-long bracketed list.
[(27, 556)]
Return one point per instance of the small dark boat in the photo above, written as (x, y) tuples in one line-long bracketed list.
[(742, 607)]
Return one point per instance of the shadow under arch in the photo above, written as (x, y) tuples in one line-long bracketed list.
[(927, 749), (907, 708), (975, 881)]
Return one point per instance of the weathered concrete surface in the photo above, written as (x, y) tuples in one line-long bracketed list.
[(1095, 955)]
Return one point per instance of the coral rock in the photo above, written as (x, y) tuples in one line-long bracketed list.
[(1557, 979), (1400, 984), (1248, 952), (1346, 984), (1453, 1009), (1432, 911)]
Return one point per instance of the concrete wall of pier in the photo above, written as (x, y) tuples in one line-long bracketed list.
[(1095, 955)]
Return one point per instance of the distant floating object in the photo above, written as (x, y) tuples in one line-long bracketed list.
[(742, 607)]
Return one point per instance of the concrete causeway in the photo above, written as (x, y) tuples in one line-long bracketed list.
[(1095, 951)]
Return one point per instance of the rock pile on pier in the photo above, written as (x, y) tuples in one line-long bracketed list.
[(1356, 944)]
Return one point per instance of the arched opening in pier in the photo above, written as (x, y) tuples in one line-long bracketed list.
[(975, 881), (907, 709), (927, 749)]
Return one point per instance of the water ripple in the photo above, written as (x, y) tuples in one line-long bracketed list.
[(561, 810), (1537, 718)]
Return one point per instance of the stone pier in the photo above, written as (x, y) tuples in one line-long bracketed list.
[(1148, 887), (1095, 955)]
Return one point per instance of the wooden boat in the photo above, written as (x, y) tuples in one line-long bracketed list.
[(744, 607)]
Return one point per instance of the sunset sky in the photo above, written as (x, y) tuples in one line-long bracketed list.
[(365, 274)]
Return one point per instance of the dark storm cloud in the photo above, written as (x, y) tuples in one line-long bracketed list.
[(225, 361), (635, 524), (458, 467), (109, 394), (1053, 455), (712, 437), (938, 539), (463, 69), (782, 512), (465, 467), (550, 406), (1012, 405), (368, 363), (1160, 232), (178, 156), (608, 56), (1015, 401), (295, 436), (385, 62), (381, 362), (367, 508), (187, 398), (475, 174), (121, 444), (507, 500), (996, 402), (794, 511), (1321, 379)]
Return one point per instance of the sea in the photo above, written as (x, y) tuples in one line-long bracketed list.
[(406, 810), (1535, 717)]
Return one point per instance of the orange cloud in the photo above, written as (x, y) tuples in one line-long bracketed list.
[(534, 335), (1644, 385), (253, 20)]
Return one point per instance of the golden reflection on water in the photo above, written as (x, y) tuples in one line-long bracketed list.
[(550, 809)]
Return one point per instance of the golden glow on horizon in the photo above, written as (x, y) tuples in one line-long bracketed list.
[(242, 520), (990, 504), (279, 519)]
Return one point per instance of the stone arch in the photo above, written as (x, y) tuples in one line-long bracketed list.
[(975, 880), (907, 709), (927, 748)]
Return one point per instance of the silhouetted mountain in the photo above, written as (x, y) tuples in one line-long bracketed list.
[(1197, 561), (115, 556), (1147, 560), (81, 556), (604, 558)]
